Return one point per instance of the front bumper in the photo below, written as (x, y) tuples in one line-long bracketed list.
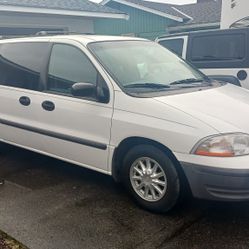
[(215, 183)]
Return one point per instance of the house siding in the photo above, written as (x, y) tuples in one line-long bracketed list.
[(19, 21), (140, 24)]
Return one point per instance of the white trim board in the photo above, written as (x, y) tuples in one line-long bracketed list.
[(182, 13), (191, 26), (146, 9), (47, 11)]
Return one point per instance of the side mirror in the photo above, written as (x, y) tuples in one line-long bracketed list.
[(83, 90), (226, 78)]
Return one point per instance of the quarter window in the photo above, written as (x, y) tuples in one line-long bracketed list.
[(21, 64), (68, 65), (175, 45)]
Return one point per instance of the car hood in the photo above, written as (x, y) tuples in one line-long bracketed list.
[(225, 108)]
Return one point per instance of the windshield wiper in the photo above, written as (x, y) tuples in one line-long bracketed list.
[(147, 85), (187, 81)]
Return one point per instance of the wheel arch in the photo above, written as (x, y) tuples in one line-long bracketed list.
[(125, 145)]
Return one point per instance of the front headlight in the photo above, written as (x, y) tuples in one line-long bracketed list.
[(227, 145)]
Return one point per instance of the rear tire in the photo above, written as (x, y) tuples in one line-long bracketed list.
[(151, 178)]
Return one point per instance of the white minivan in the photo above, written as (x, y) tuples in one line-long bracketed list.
[(214, 52), (129, 108)]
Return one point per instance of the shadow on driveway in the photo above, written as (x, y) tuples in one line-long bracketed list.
[(46, 203)]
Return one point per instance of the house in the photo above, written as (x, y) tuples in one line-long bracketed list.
[(235, 14), (205, 14), (24, 17), (151, 19)]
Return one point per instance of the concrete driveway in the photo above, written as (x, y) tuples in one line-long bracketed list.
[(48, 204)]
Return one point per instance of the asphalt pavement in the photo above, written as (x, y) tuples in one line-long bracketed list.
[(49, 204)]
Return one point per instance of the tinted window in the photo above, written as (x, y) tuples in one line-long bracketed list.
[(21, 64), (175, 45), (218, 48), (68, 65)]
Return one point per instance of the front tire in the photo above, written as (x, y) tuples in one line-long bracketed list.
[(151, 178)]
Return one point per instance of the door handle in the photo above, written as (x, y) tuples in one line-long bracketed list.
[(48, 106), (24, 100)]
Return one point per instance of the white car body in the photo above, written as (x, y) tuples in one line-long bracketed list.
[(236, 67), (177, 122)]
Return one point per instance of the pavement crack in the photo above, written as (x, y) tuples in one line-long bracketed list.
[(179, 231), (5, 182), (157, 242)]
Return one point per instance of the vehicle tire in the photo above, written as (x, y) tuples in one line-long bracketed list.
[(3, 147), (151, 178)]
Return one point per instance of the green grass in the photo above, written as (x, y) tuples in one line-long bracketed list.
[(7, 242)]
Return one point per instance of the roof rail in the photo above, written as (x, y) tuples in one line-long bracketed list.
[(59, 32), (52, 32), (44, 33)]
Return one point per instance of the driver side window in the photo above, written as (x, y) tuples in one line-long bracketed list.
[(69, 65)]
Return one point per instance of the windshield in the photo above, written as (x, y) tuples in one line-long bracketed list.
[(145, 64)]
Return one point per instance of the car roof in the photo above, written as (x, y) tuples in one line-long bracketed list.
[(85, 39), (200, 32)]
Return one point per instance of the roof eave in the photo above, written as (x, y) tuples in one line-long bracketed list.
[(146, 9), (48, 11), (196, 25)]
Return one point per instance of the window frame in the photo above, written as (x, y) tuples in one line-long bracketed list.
[(208, 64), (150, 95), (99, 84), (41, 83)]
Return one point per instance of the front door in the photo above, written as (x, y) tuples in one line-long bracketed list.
[(78, 129)]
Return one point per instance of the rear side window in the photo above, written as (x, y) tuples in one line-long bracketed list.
[(21, 64), (175, 45), (69, 65), (218, 50)]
